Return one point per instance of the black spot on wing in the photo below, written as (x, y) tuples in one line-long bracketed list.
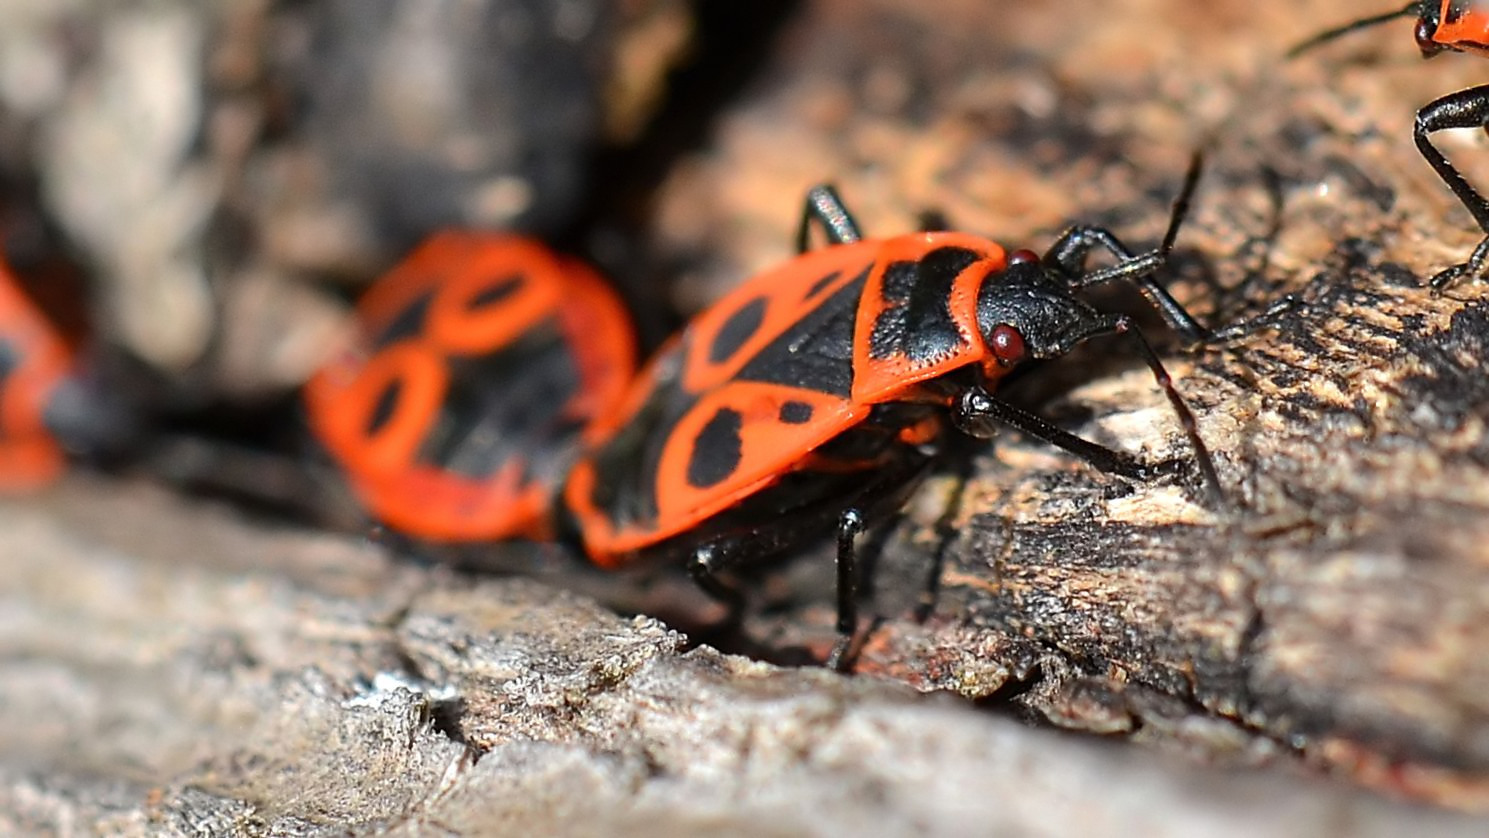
[(386, 406), (795, 413), (822, 283), (916, 321), (498, 291), (717, 450), (737, 330), (816, 352), (409, 322)]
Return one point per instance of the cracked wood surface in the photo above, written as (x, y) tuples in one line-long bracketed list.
[(167, 668)]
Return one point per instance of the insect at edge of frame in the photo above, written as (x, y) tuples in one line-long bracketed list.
[(35, 362), (1442, 26)]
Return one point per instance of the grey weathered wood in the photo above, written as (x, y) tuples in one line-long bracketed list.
[(167, 668)]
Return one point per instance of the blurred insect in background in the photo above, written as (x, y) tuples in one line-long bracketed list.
[(478, 362)]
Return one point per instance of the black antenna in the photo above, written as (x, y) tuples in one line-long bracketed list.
[(1411, 9), (1181, 202)]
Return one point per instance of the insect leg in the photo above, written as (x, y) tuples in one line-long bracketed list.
[(850, 524), (1069, 253), (1077, 243), (1269, 318), (976, 410), (824, 206), (970, 405), (1463, 109), (707, 562)]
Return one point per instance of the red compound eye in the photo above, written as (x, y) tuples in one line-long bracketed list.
[(1020, 256), (1008, 345), (1426, 35)]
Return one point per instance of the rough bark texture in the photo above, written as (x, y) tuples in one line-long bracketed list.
[(168, 667)]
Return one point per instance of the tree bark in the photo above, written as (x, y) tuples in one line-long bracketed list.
[(170, 668)]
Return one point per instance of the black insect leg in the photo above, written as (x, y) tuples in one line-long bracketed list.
[(976, 411), (1069, 253), (850, 524), (1463, 109), (710, 561), (705, 567), (1267, 319), (976, 403), (1478, 262), (824, 206), (933, 221)]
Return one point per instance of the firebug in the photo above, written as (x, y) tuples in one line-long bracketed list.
[(478, 361), (814, 396)]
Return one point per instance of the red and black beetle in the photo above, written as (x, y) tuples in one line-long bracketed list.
[(816, 393), (1443, 25), (479, 360)]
